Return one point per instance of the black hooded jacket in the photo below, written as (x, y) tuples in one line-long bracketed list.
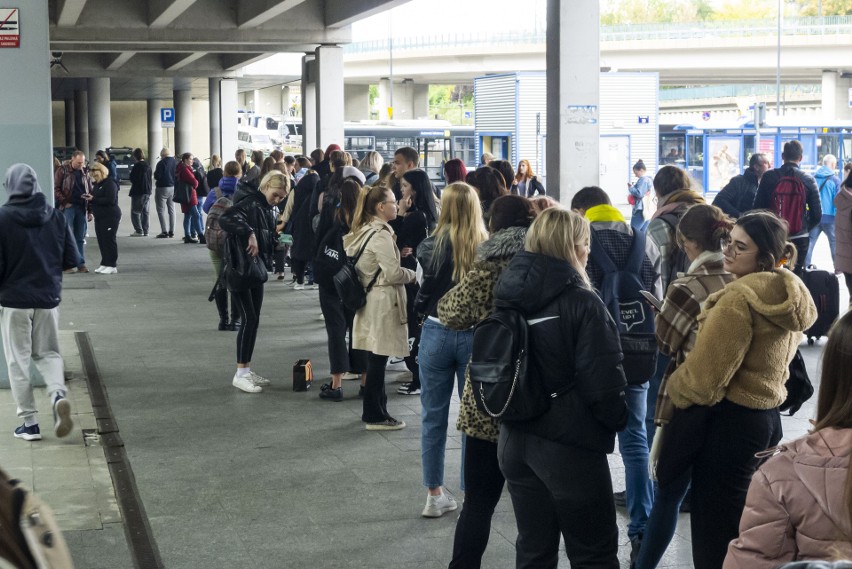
[(251, 214), (737, 198), (574, 349), (36, 245)]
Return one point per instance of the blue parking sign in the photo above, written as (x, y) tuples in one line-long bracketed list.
[(167, 117)]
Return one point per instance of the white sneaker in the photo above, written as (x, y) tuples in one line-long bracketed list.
[(100, 269), (437, 506), (350, 375), (243, 383), (298, 286), (258, 379), (109, 271)]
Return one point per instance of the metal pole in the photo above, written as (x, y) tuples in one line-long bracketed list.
[(390, 44), (778, 67)]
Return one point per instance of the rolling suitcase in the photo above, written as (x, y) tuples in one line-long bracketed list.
[(826, 294)]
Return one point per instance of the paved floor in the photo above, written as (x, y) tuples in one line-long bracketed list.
[(232, 480)]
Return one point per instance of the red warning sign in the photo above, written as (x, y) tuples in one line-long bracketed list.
[(10, 32)]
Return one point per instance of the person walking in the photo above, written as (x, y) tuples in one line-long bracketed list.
[(638, 192), (107, 217), (36, 244), (249, 223), (72, 190), (379, 327), (526, 183), (735, 374), (556, 464), (828, 184), (140, 194), (164, 178)]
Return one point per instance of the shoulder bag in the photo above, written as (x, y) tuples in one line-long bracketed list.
[(348, 285), (240, 270)]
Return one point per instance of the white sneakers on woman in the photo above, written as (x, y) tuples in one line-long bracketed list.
[(437, 506), (106, 270), (250, 382)]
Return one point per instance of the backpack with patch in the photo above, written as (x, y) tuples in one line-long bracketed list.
[(503, 385), (330, 257), (788, 202), (214, 234), (634, 319)]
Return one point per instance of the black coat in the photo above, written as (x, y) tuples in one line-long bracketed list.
[(813, 211), (574, 349), (164, 173), (302, 230), (105, 199), (140, 179), (737, 197), (36, 245), (437, 276), (252, 214)]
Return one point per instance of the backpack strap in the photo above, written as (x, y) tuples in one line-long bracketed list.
[(600, 255), (358, 257)]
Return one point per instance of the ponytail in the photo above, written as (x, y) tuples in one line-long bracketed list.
[(705, 224), (367, 204)]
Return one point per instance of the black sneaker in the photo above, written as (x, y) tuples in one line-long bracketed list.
[(171, 234), (332, 394), (408, 389), (62, 422), (31, 433), (162, 236), (620, 499)]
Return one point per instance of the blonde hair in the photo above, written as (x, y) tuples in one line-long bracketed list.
[(98, 172), (461, 222), (557, 232), (215, 161), (276, 180), (368, 201)]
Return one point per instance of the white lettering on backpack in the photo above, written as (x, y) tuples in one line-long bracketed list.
[(632, 314)]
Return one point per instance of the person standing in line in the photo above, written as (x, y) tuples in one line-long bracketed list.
[(164, 178), (240, 157), (249, 220), (215, 172), (556, 464), (193, 229), (506, 170), (828, 184), (36, 244), (370, 166), (140, 194), (639, 191), (404, 159), (379, 326), (737, 197), (109, 162), (445, 257), (735, 374), (526, 183), (454, 171), (843, 229), (72, 190), (107, 217)]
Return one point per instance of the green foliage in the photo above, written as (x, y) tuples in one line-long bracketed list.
[(829, 7), (621, 12), (374, 94)]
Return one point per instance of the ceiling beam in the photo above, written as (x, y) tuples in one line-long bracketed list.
[(119, 60), (341, 13), (233, 61), (161, 13), (175, 61), (69, 12), (172, 39), (252, 13)]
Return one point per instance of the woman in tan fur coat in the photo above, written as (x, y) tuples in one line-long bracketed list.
[(748, 333)]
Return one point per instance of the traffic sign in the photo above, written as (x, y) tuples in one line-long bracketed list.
[(167, 117), (644, 119), (10, 32)]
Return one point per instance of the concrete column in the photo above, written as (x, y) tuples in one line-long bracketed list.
[(155, 131), (384, 98), (183, 122), (285, 101), (573, 97), (100, 122), (70, 134), (420, 101), (81, 121), (329, 95), (309, 103), (228, 106), (829, 93), (842, 96), (357, 102), (215, 126)]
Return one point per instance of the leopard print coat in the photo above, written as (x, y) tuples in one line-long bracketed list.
[(468, 303)]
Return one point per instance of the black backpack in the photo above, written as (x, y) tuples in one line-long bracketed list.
[(503, 383), (348, 285), (634, 319), (330, 257)]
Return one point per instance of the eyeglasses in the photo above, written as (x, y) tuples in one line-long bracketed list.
[(726, 245)]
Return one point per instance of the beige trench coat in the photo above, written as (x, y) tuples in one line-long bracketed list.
[(380, 326)]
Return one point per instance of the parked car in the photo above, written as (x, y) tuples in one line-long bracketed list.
[(123, 160)]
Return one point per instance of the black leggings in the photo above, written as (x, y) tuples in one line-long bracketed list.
[(298, 267), (105, 228), (248, 303), (375, 399), (411, 361)]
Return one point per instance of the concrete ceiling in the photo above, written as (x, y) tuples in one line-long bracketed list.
[(145, 45)]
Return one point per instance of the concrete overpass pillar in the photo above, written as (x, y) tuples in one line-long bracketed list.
[(155, 131), (215, 125), (81, 121), (309, 103), (329, 96), (829, 93), (573, 97), (384, 98), (420, 101), (183, 122), (100, 122), (285, 101), (69, 122), (357, 102), (228, 105)]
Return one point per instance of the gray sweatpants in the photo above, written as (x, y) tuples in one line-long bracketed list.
[(163, 198), (31, 335)]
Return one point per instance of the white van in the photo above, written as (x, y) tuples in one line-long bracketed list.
[(250, 140)]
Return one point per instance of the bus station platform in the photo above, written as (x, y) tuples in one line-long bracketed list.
[(171, 466)]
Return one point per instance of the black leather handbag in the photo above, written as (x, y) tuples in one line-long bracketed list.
[(183, 192), (348, 285), (240, 270)]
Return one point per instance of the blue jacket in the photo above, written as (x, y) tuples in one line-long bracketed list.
[(227, 185), (639, 190), (164, 173), (36, 245), (828, 184)]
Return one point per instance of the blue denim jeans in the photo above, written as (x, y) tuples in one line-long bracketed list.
[(637, 221), (75, 217), (663, 521), (633, 446), (192, 225), (444, 355), (828, 229)]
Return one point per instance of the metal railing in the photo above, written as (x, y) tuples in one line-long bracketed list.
[(826, 25), (732, 91)]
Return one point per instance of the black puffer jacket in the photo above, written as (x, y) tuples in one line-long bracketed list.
[(813, 212), (737, 197), (249, 215), (437, 276), (574, 348)]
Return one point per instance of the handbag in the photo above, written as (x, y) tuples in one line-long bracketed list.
[(799, 386), (183, 192), (240, 270), (348, 285)]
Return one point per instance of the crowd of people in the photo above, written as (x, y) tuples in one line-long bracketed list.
[(694, 405)]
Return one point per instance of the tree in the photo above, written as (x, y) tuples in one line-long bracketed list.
[(829, 7)]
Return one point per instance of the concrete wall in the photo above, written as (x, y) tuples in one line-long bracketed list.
[(356, 100)]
